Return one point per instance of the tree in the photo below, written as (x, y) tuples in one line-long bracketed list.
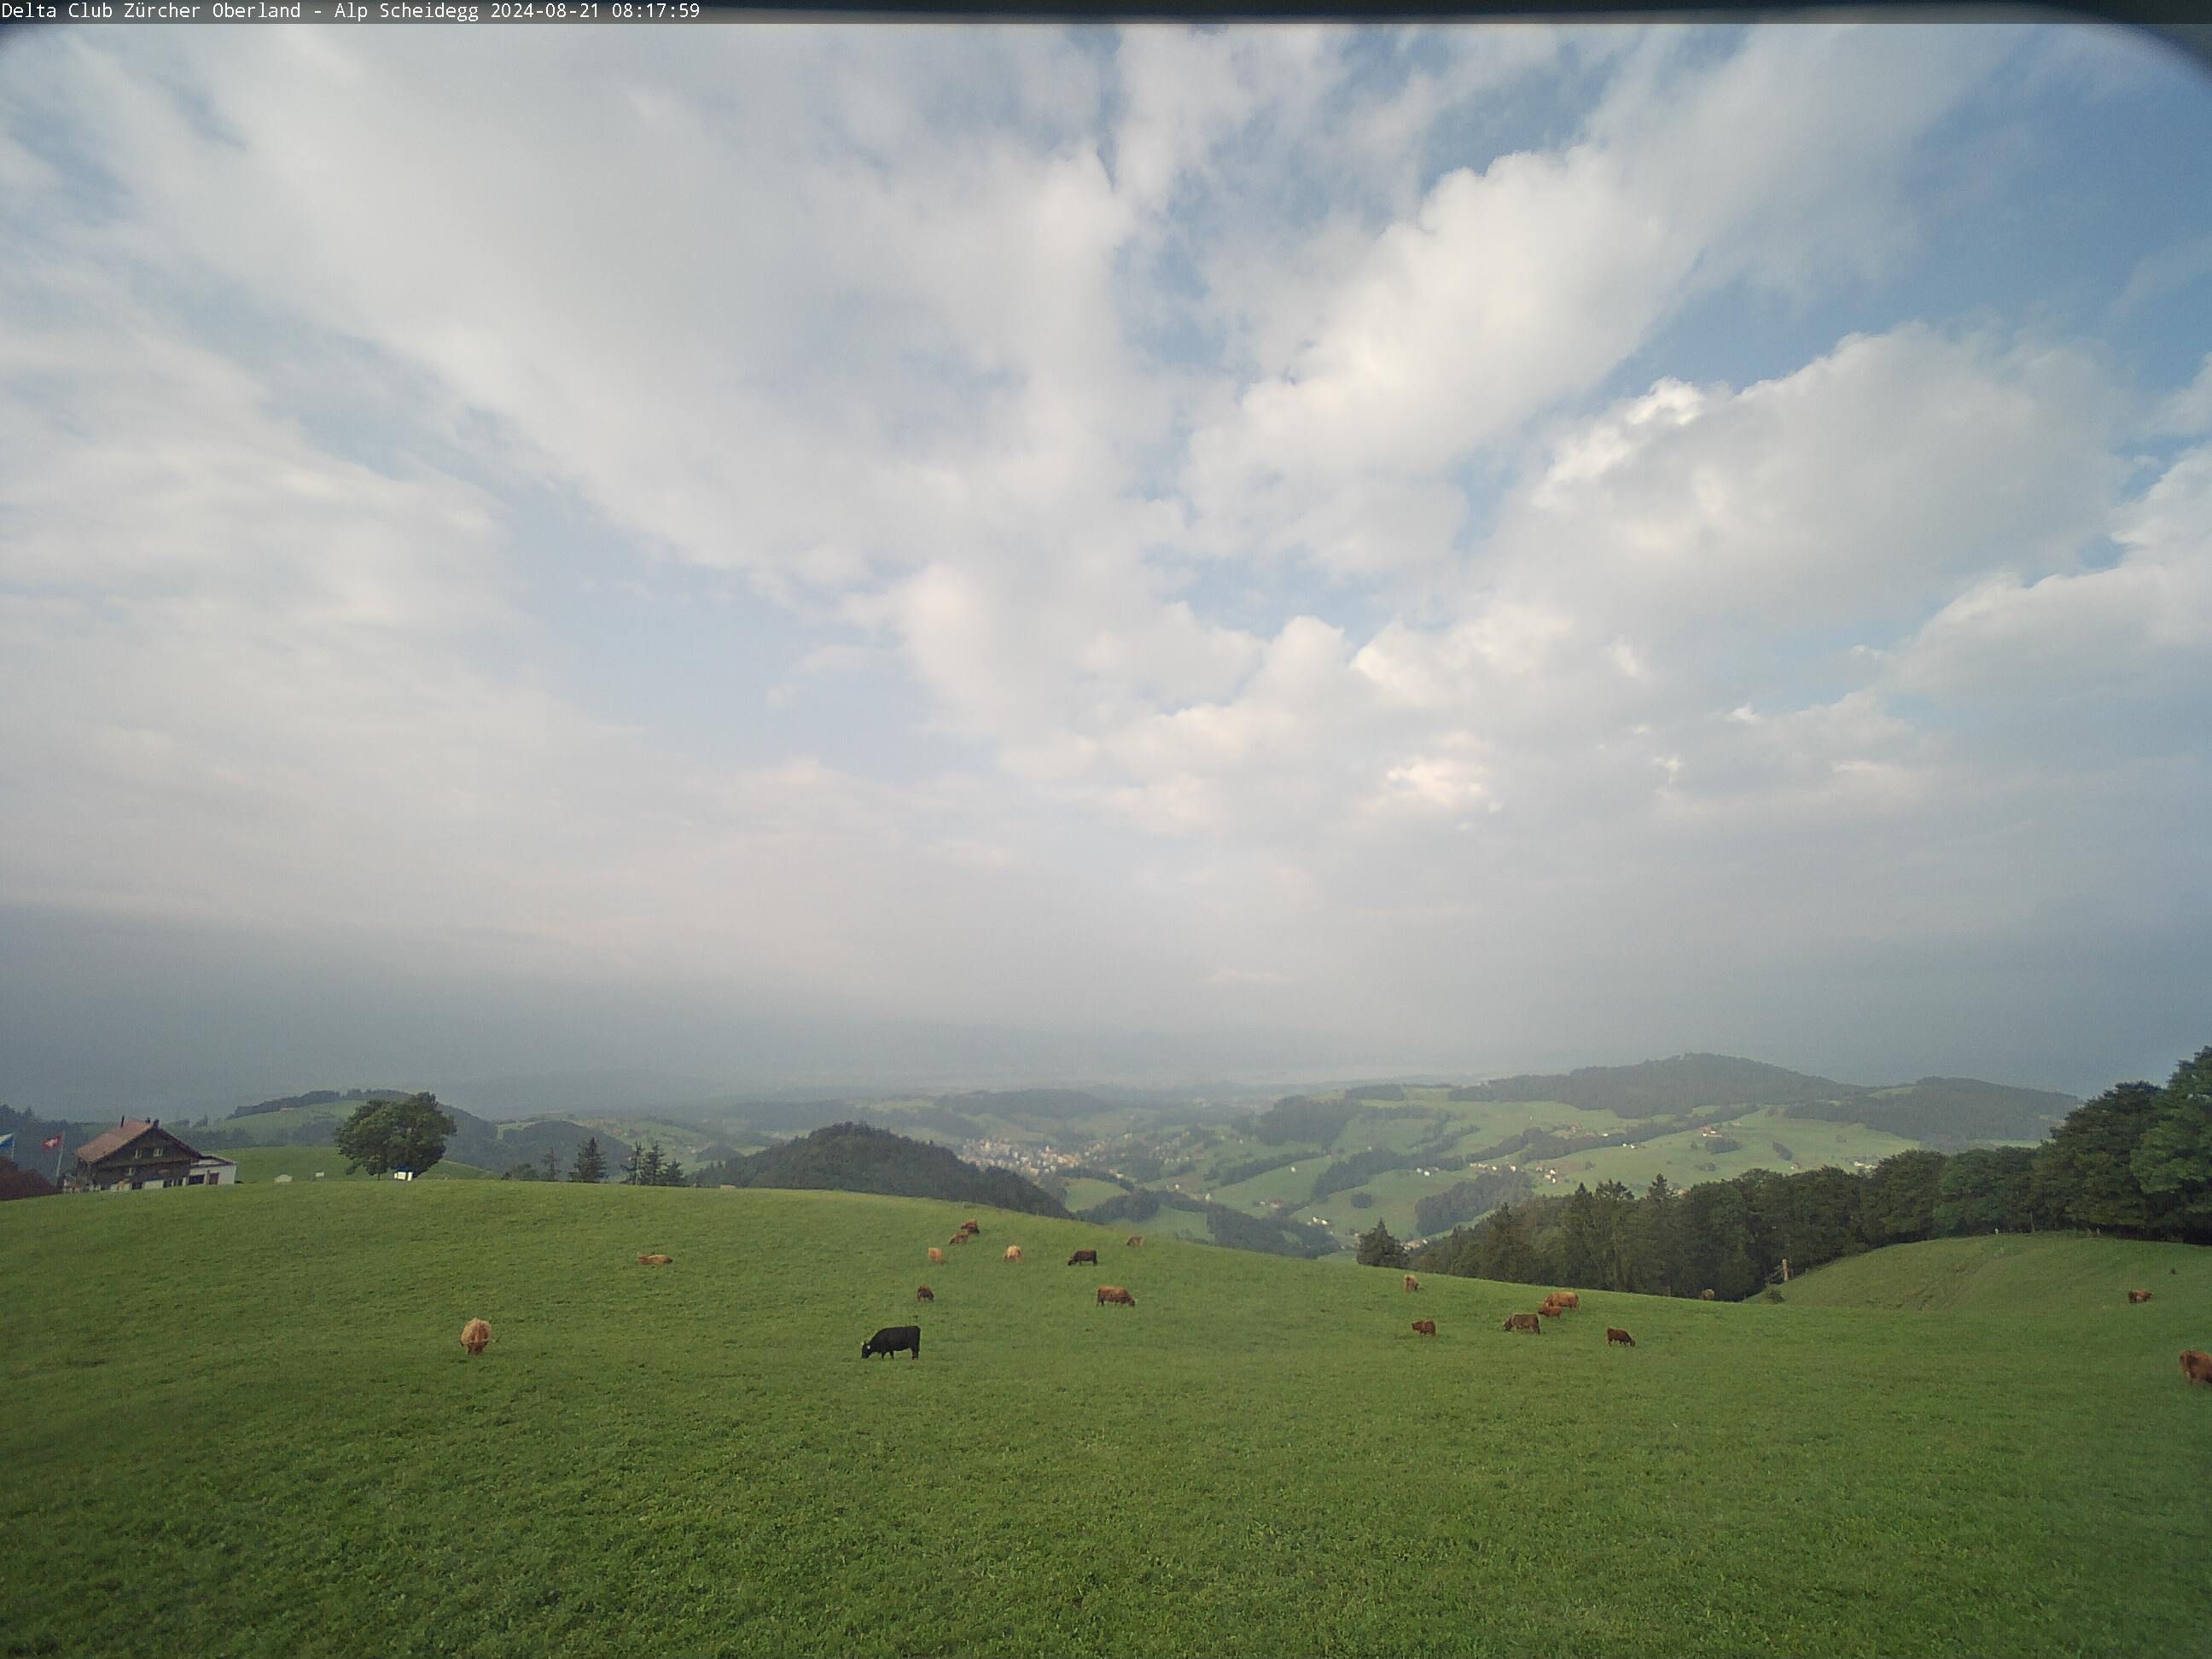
[(2088, 1169), (1657, 1231), (1578, 1242), (1901, 1197), (1378, 1249), (633, 1167), (1615, 1206), (383, 1136), (648, 1167), (2173, 1162), (552, 1165), (590, 1165)]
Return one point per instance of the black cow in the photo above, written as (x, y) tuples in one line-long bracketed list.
[(891, 1339), (1080, 1256)]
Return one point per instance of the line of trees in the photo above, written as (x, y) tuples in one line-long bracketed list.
[(2136, 1160)]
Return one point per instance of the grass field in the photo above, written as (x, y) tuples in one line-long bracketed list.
[(242, 1425), (266, 1163)]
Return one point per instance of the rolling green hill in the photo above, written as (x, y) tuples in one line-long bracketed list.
[(242, 1425), (2058, 1275)]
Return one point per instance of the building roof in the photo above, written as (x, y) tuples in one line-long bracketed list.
[(131, 1129)]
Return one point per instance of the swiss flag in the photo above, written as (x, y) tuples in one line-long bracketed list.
[(50, 1143)]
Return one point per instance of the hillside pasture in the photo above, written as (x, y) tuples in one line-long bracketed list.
[(1681, 1158), (1259, 1457), (266, 1163), (2053, 1275)]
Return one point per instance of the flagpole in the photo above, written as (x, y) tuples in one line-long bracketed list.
[(63, 1136)]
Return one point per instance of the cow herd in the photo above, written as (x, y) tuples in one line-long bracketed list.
[(476, 1336)]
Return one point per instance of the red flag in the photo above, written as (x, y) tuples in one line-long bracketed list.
[(48, 1144)]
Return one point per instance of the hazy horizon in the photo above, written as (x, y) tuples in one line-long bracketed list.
[(1003, 556)]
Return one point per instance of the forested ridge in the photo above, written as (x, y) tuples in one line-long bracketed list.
[(2136, 1161)]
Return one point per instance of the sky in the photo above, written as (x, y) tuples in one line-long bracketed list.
[(956, 555)]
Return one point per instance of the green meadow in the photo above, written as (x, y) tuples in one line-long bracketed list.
[(325, 1162), (241, 1424)]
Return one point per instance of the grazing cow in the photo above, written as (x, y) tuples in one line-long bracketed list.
[(1527, 1322), (924, 1294), (958, 1238), (1412, 1283), (1615, 1336), (1092, 1256), (1117, 1295), (1705, 1296), (936, 1256), (2138, 1296), (969, 1227), (1564, 1299), (476, 1334), (1136, 1241), (1013, 1253), (1551, 1310), (2195, 1367), (891, 1339), (655, 1260), (1425, 1327)]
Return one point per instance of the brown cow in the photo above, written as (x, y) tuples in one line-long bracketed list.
[(969, 1227), (1527, 1322), (1564, 1298), (1425, 1327), (1136, 1240), (924, 1294), (2195, 1367), (958, 1238), (936, 1256), (477, 1333), (1614, 1335), (1092, 1256), (1551, 1310), (2138, 1296), (1705, 1296), (1117, 1295), (655, 1260), (1412, 1283), (1013, 1253)]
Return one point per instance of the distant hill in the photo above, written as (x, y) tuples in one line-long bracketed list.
[(855, 1158), (1948, 1113), (1687, 1083), (316, 1097), (1058, 1104)]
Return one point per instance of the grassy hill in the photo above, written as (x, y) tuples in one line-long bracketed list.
[(242, 1425), (2055, 1275)]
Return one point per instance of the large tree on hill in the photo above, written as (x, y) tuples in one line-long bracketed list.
[(2173, 1162), (1901, 1196), (383, 1136), (591, 1164), (1578, 1241), (1378, 1249), (2086, 1170)]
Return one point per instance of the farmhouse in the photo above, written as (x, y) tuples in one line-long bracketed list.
[(136, 1155)]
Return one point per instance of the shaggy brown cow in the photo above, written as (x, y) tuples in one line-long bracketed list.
[(655, 1260), (2195, 1367), (1614, 1335), (1117, 1295), (1412, 1283), (1705, 1296), (958, 1238), (924, 1294), (1425, 1327), (2138, 1296), (936, 1256), (1013, 1253), (969, 1227), (1551, 1310), (476, 1334), (1092, 1256), (1136, 1240), (1564, 1299), (1527, 1322)]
